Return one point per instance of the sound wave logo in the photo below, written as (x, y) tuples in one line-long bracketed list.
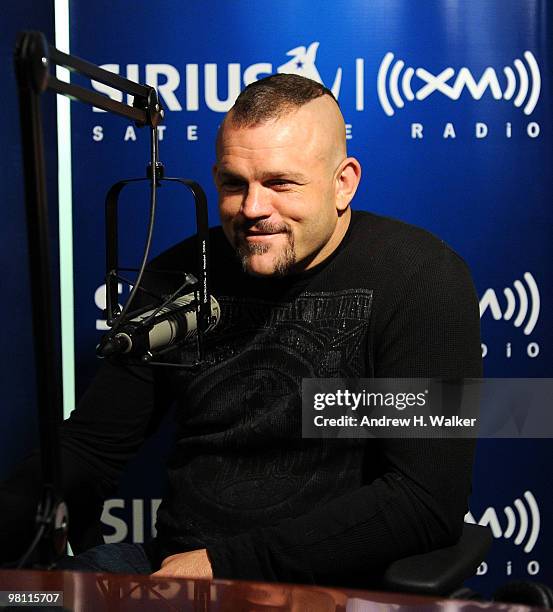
[(528, 304), (524, 521), (526, 87)]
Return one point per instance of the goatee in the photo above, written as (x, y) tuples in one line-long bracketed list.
[(283, 262)]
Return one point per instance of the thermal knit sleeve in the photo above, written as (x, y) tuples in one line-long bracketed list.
[(120, 409), (426, 324)]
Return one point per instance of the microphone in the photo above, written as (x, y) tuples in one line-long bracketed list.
[(175, 322)]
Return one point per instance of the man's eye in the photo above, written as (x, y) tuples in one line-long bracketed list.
[(232, 185), (280, 184)]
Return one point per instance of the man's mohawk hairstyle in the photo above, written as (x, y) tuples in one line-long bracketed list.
[(273, 97)]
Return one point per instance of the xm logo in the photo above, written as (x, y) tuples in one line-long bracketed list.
[(522, 522), (521, 85), (525, 304)]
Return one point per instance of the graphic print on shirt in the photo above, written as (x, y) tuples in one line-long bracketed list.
[(241, 456)]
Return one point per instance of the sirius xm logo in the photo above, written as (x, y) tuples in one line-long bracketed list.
[(518, 523), (303, 63), (519, 306), (451, 84), (132, 520), (195, 87), (399, 85)]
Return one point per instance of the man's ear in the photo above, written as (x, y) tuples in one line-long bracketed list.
[(347, 179), (214, 173)]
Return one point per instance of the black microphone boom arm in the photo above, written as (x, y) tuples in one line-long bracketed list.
[(34, 58)]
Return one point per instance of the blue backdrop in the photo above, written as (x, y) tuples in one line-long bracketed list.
[(20, 428), (448, 108)]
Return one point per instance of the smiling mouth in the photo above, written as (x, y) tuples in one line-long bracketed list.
[(254, 234), (260, 235)]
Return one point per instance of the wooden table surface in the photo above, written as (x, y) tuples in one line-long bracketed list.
[(117, 592)]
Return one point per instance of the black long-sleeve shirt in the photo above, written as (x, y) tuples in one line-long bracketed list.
[(392, 301)]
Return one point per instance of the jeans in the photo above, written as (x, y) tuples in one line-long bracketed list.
[(122, 558)]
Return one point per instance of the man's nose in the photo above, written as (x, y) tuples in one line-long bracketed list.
[(257, 202)]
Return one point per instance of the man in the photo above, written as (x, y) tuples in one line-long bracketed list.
[(285, 185), (316, 291)]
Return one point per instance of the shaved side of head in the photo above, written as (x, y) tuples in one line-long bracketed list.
[(278, 95), (274, 96)]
